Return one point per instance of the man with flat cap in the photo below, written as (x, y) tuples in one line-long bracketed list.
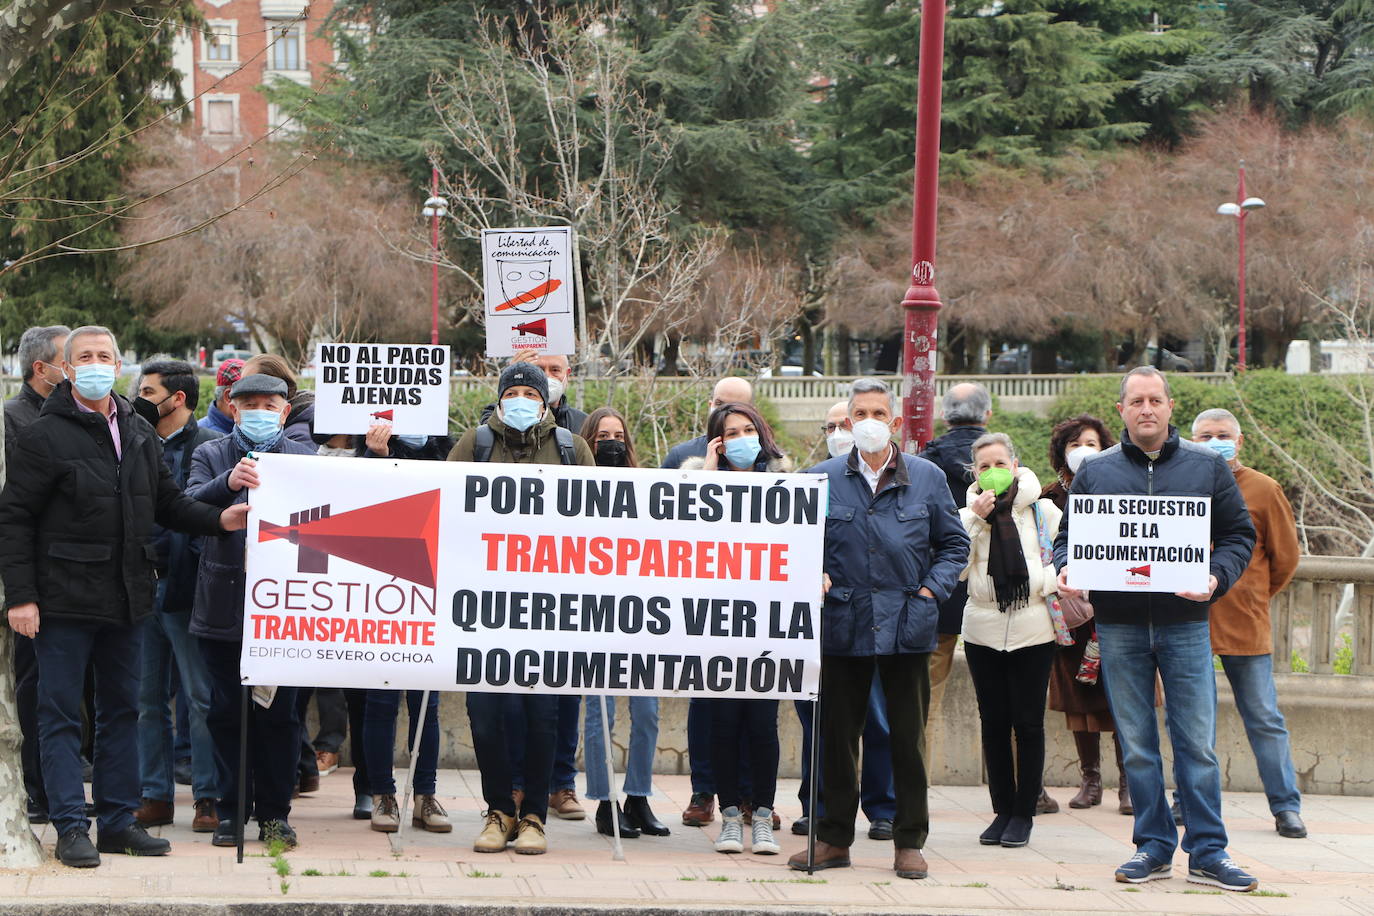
[(222, 473)]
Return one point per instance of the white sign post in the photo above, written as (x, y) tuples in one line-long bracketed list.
[(404, 384), (527, 279), (1139, 543), (533, 579)]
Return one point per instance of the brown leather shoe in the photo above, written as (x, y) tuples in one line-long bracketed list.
[(700, 811), (564, 804), (747, 809), (154, 813), (909, 863), (326, 761), (206, 820), (308, 784), (827, 856)]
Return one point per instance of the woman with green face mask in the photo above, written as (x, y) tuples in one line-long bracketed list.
[(1008, 634)]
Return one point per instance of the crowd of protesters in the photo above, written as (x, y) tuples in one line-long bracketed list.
[(122, 553)]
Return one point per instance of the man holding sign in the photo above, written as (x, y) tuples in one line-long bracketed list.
[(1153, 488)]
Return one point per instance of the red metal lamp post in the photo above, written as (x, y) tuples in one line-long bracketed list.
[(434, 208), (1239, 211), (922, 303)]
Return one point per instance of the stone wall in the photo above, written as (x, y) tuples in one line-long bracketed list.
[(1330, 718)]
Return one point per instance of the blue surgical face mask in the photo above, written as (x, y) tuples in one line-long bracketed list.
[(414, 441), (520, 413), (94, 380), (260, 426), (1226, 448), (742, 451)]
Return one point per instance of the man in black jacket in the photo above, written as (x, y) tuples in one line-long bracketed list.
[(966, 409), (1144, 633), (40, 351), (167, 396), (76, 554)]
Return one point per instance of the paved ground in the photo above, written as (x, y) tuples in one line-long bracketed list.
[(342, 866)]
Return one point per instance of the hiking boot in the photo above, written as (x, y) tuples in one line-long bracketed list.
[(700, 811), (1224, 874), (386, 814), (731, 837), (132, 841), (499, 830), (564, 804), (762, 843), (431, 815), (206, 820), (74, 849), (529, 836), (154, 813), (1144, 867)]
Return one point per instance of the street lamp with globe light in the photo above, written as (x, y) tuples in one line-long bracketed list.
[(434, 208), (1239, 211)]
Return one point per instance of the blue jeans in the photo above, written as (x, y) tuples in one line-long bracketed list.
[(564, 774), (877, 794), (166, 643), (379, 739), (1252, 682), (639, 760), (1182, 655), (493, 717), (64, 650)]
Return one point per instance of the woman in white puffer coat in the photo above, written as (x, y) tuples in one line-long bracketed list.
[(1008, 635)]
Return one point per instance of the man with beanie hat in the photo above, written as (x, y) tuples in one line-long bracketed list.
[(520, 431)]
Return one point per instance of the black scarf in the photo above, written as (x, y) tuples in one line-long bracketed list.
[(1006, 563)]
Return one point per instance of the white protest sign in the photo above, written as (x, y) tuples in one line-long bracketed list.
[(1139, 543), (527, 280), (533, 578), (406, 384)]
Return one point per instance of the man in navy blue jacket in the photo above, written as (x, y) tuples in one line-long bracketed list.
[(894, 548), (1142, 633)]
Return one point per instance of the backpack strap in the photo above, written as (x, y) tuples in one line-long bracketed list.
[(483, 443), (567, 445)]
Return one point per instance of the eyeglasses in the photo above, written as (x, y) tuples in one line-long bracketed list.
[(829, 428)]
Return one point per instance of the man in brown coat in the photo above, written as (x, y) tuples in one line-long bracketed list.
[(1241, 633)]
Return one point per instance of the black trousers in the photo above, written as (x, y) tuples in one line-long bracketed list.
[(26, 698), (755, 723), (356, 700), (1011, 688), (274, 738), (845, 685)]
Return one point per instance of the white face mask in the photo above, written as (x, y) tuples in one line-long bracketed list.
[(839, 442), (872, 436), (556, 390), (1074, 458), (330, 451)]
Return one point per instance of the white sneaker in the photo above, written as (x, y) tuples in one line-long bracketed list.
[(731, 837), (764, 844)]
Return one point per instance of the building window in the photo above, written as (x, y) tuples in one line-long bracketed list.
[(220, 41), (287, 50), (221, 117)]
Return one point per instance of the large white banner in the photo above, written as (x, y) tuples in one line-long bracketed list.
[(405, 384), (1140, 543), (527, 282), (540, 578)]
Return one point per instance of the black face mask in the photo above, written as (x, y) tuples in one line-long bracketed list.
[(149, 411), (611, 453)]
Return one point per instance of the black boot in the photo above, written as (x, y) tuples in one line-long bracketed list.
[(641, 816), (603, 822)]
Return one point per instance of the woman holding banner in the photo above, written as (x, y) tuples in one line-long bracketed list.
[(1009, 636), (1076, 687), (739, 439), (609, 436), (383, 706)]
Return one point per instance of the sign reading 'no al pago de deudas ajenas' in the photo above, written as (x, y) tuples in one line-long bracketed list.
[(527, 279)]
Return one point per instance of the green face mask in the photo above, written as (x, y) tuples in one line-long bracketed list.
[(998, 480)]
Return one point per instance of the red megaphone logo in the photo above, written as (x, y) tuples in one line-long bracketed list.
[(1139, 571), (540, 327), (399, 537), (385, 415)]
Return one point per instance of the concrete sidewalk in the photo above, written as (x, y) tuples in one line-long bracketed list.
[(344, 867)]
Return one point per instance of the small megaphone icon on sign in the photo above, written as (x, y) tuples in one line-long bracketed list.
[(1139, 571), (540, 328)]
